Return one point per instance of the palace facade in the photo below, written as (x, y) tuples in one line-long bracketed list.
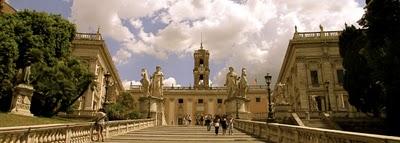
[(311, 75), (201, 99)]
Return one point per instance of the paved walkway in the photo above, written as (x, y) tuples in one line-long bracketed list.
[(172, 134)]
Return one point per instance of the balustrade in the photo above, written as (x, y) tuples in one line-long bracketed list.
[(88, 36), (282, 133), (317, 35), (69, 133)]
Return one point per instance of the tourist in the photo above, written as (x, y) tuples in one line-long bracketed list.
[(208, 122), (201, 120), (99, 124), (230, 125), (216, 124), (189, 120), (224, 124)]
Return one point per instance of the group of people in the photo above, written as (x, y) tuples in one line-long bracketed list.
[(224, 121), (187, 120)]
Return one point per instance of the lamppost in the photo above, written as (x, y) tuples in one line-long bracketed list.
[(237, 109), (270, 117), (148, 111), (327, 94), (107, 76)]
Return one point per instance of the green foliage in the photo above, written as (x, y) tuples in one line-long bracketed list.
[(123, 108), (364, 93), (44, 42), (383, 51), (372, 61)]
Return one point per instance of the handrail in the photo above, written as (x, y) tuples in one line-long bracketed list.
[(88, 36), (192, 88), (317, 35), (283, 133), (72, 132)]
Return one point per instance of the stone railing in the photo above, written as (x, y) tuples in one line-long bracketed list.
[(316, 35), (69, 133), (189, 87), (282, 133), (88, 36)]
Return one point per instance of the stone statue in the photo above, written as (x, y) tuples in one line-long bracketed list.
[(145, 82), (295, 29), (243, 86), (23, 75), (156, 88), (314, 104), (321, 28), (231, 82)]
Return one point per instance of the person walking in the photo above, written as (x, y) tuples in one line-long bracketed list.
[(230, 126), (208, 122), (224, 124), (99, 123), (189, 120), (216, 124)]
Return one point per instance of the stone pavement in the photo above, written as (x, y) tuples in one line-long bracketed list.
[(189, 134)]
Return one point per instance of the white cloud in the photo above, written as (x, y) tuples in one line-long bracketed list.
[(252, 34), (127, 83), (170, 81)]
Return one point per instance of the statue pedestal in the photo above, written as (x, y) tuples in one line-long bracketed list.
[(153, 107), (21, 100), (237, 105), (282, 113)]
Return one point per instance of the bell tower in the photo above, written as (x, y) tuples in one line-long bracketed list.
[(201, 69)]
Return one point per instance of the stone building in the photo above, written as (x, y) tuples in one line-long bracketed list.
[(93, 51), (6, 8), (179, 102), (311, 75)]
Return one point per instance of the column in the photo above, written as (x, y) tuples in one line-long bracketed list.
[(328, 76), (301, 84), (211, 106), (171, 112)]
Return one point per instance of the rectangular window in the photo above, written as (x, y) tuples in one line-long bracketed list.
[(340, 74), (200, 101), (314, 78), (219, 101), (258, 99), (180, 100)]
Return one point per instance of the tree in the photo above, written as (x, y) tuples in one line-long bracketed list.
[(44, 42), (382, 21), (123, 108), (374, 53), (364, 93)]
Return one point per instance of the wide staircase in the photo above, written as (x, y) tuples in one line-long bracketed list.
[(172, 134)]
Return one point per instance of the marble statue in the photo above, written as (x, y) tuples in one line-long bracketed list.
[(243, 86), (156, 88), (23, 75), (231, 82), (145, 82), (321, 28)]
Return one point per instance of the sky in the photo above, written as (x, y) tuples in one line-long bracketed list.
[(253, 34)]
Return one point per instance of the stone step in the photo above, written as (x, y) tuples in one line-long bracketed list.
[(119, 138), (180, 134), (187, 136)]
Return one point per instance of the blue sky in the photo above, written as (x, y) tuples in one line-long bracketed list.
[(240, 33)]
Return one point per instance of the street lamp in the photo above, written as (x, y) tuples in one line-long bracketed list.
[(148, 111), (327, 94), (270, 117), (107, 76), (237, 109)]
